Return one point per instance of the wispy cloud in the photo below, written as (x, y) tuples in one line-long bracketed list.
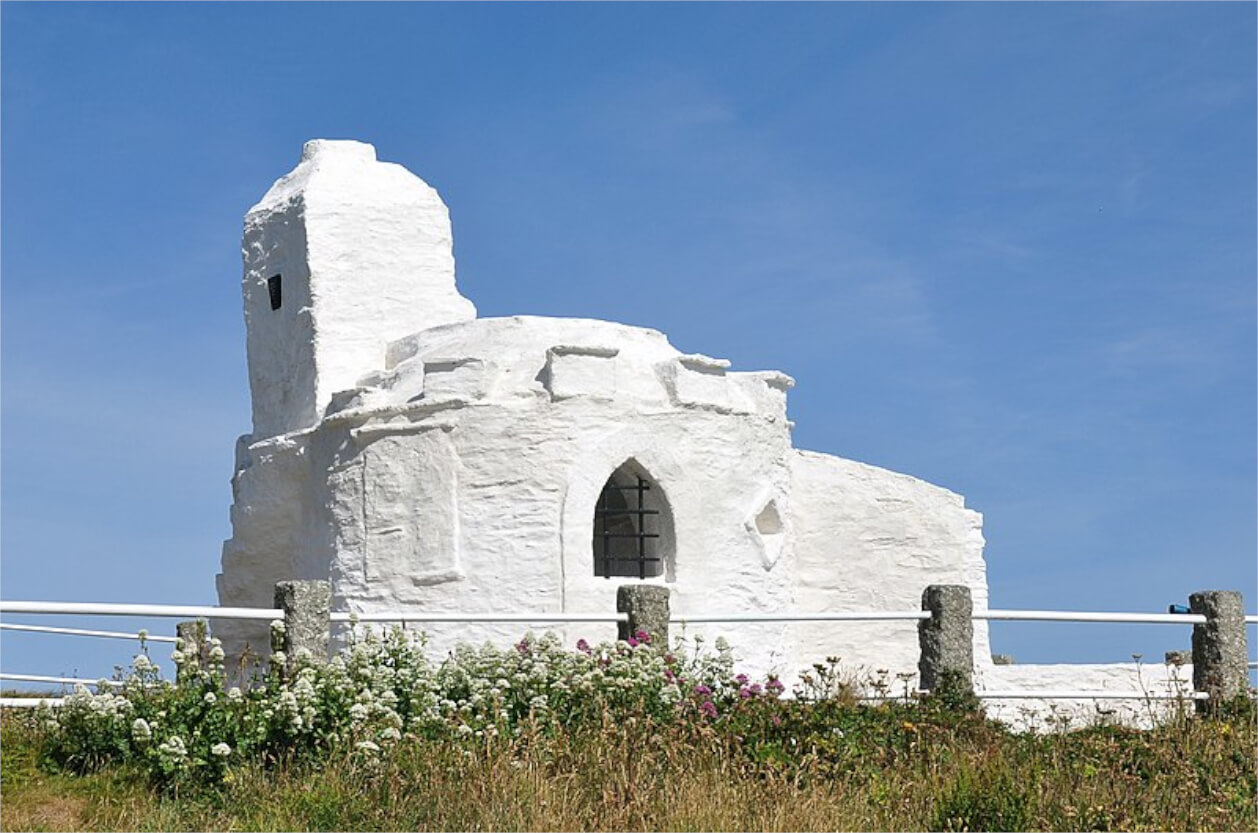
[(1163, 349)]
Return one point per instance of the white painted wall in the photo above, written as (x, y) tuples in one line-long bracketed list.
[(511, 427), (421, 458), (1046, 715), (366, 256), (871, 539)]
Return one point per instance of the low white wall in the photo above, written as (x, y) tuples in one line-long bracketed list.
[(1046, 715)]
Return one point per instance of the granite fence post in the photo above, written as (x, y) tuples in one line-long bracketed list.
[(1220, 652), (194, 633), (307, 609), (946, 639), (647, 606)]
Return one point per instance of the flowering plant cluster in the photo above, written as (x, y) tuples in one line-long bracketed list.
[(382, 690)]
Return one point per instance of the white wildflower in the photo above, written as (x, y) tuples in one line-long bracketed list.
[(220, 750), (288, 701), (234, 694), (209, 699), (141, 732), (173, 748)]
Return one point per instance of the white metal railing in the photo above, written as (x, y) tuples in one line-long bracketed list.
[(404, 616), (29, 702), (44, 678), (1090, 616), (168, 611), (1057, 694), (148, 637), (1095, 694), (858, 616), (268, 614), (421, 616)]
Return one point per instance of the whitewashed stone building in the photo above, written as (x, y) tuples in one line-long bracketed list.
[(420, 457)]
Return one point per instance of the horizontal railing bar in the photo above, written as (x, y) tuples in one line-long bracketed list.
[(1089, 616), (422, 616), (81, 632), (1100, 694), (858, 616), (1251, 620), (43, 678), (29, 702), (111, 609), (268, 614)]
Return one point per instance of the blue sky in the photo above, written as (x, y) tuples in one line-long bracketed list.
[(1007, 248)]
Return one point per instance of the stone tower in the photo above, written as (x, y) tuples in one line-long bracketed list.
[(343, 255)]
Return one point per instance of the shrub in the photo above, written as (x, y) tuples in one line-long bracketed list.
[(380, 690), (982, 801)]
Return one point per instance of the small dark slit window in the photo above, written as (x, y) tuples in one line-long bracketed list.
[(277, 291)]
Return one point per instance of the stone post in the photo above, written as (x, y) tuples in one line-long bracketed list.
[(193, 632), (947, 637), (647, 606), (307, 619), (1219, 647)]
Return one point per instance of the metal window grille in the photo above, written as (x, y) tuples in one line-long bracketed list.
[(624, 544)]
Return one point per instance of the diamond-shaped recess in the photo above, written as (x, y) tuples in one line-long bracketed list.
[(766, 529)]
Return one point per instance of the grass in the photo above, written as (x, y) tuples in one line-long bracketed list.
[(790, 766)]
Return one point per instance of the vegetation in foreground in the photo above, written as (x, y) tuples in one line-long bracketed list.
[(614, 737)]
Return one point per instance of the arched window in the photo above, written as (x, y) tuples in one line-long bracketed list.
[(632, 526)]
